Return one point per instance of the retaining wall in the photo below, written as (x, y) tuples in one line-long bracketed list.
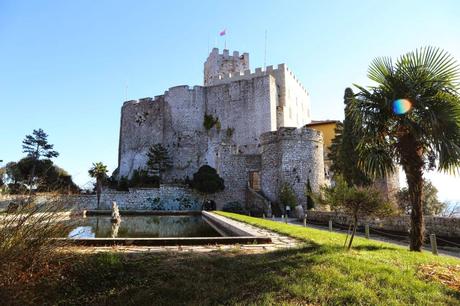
[(163, 198), (441, 226)]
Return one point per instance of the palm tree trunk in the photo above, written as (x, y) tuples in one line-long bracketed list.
[(355, 225), (98, 191), (415, 185), (412, 162)]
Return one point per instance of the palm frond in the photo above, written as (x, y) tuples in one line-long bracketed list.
[(380, 69)]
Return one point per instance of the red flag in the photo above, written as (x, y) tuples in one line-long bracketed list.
[(223, 32)]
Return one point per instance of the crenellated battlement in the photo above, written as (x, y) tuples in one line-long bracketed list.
[(288, 133), (247, 124), (217, 64), (174, 89), (281, 69), (226, 54), (140, 101), (182, 88)]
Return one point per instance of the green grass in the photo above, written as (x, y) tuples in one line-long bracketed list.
[(319, 272)]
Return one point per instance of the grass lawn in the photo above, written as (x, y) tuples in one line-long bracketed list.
[(318, 272)]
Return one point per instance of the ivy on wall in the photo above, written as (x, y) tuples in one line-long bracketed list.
[(210, 121)]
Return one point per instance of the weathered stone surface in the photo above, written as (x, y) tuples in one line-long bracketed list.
[(166, 197), (441, 226), (291, 156), (246, 105)]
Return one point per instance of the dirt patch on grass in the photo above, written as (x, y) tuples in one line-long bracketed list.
[(447, 275)]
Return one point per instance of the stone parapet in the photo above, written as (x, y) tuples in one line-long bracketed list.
[(441, 226), (288, 133)]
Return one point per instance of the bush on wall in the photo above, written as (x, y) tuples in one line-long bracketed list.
[(235, 207), (210, 121), (207, 181), (287, 196)]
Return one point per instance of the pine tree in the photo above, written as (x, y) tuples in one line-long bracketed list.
[(158, 159), (37, 146), (343, 149)]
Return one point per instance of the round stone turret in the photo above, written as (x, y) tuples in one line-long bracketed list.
[(294, 157)]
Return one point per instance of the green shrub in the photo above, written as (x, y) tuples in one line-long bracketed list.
[(287, 196), (235, 207), (141, 178), (230, 132), (209, 121), (206, 180)]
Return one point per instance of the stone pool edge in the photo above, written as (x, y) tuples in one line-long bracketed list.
[(232, 231)]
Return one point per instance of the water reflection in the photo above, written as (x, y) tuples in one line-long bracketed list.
[(143, 227), (82, 232), (115, 228)]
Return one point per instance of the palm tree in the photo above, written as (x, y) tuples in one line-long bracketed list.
[(411, 116), (98, 171)]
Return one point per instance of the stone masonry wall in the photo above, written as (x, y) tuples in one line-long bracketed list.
[(163, 198), (176, 121), (291, 156), (441, 226), (246, 106), (217, 65)]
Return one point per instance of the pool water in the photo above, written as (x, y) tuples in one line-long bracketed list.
[(143, 227)]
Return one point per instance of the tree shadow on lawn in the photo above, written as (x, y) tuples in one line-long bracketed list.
[(370, 247), (298, 276)]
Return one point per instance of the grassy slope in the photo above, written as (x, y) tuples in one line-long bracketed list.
[(373, 271), (320, 272)]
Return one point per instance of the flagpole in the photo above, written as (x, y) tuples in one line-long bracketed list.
[(265, 49)]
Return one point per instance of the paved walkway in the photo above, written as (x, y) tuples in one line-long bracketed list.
[(455, 252)]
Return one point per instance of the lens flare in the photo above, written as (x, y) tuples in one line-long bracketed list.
[(401, 106)]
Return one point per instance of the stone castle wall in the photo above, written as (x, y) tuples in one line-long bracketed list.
[(217, 65), (246, 105), (176, 120), (291, 156)]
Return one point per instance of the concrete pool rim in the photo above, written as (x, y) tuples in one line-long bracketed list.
[(232, 232)]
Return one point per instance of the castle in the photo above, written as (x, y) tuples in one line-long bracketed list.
[(250, 126)]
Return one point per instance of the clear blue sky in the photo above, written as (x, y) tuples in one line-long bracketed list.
[(64, 65)]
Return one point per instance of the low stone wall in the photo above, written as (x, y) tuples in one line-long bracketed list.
[(441, 226), (163, 198)]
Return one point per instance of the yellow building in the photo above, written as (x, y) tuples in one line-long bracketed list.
[(327, 127), (389, 185)]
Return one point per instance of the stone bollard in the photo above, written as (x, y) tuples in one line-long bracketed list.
[(366, 230), (304, 221), (330, 225), (273, 217), (285, 219), (263, 216), (434, 244)]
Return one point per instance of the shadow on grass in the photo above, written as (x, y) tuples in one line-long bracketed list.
[(370, 247), (311, 274)]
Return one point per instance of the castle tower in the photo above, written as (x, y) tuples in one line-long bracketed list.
[(217, 65), (292, 156)]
